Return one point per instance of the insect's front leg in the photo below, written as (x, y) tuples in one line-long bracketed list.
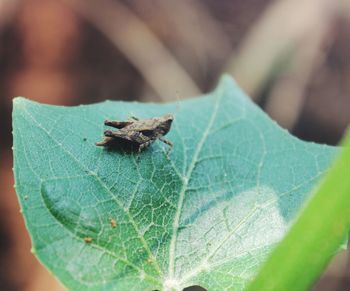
[(145, 144), (169, 143)]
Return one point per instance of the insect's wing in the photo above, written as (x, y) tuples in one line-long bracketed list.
[(149, 133), (147, 127)]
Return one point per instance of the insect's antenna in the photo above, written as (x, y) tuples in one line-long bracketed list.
[(178, 99)]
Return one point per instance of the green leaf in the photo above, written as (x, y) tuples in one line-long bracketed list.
[(208, 215), (321, 229)]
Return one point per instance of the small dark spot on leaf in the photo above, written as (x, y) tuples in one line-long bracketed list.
[(113, 223), (84, 139), (26, 197), (88, 239)]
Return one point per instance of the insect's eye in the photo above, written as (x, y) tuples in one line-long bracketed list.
[(147, 132)]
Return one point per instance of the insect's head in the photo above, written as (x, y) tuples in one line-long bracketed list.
[(168, 117), (167, 120)]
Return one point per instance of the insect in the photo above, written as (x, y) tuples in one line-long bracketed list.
[(137, 134)]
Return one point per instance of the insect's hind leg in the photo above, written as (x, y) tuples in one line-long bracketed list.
[(117, 124), (105, 142), (110, 133)]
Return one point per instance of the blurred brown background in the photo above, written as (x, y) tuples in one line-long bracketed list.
[(291, 56)]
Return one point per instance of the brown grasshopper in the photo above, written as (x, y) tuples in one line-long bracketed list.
[(137, 134)]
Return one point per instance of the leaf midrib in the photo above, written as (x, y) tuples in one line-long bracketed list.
[(185, 182)]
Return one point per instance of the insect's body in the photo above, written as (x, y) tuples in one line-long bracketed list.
[(137, 133)]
